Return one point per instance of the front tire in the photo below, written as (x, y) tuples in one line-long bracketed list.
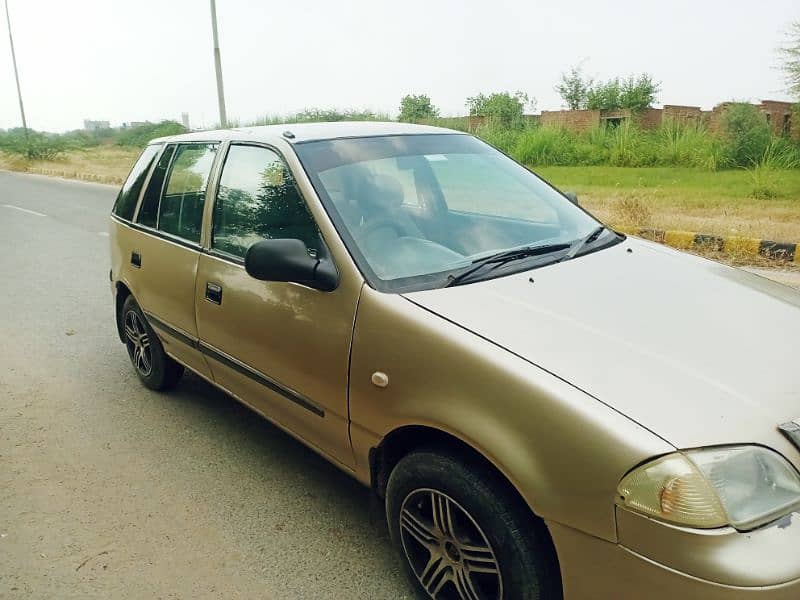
[(155, 369), (464, 535)]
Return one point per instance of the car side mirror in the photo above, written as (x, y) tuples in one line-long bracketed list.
[(572, 197), (289, 260)]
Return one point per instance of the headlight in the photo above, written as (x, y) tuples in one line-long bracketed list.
[(743, 486)]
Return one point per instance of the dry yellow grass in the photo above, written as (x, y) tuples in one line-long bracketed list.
[(713, 202), (109, 163), (765, 220)]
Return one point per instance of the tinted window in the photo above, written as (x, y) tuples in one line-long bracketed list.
[(257, 199), (148, 212), (129, 194), (181, 210)]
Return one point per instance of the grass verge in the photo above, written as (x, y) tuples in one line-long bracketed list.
[(110, 164), (676, 198)]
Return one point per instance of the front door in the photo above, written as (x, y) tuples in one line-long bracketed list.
[(282, 348)]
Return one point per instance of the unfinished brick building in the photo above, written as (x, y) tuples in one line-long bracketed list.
[(778, 114)]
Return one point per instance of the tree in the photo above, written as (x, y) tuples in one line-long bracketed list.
[(415, 108), (502, 108), (574, 88), (639, 93), (634, 93), (604, 95), (790, 54)]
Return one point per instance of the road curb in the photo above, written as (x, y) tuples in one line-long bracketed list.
[(75, 175), (687, 240)]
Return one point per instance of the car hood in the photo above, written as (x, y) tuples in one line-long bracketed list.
[(697, 352)]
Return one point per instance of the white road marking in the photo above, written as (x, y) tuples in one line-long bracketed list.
[(31, 212), (102, 233)]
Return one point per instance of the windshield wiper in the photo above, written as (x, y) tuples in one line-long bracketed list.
[(581, 244), (502, 258)]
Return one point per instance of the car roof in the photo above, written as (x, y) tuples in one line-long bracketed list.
[(306, 132)]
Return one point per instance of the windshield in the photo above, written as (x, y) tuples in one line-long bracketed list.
[(417, 210)]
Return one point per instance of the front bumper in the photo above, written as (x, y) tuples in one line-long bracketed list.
[(657, 561)]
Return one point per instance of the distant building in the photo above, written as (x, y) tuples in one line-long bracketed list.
[(90, 125), (185, 120)]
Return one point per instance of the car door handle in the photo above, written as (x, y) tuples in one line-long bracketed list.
[(136, 259), (214, 293)]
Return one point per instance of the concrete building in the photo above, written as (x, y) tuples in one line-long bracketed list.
[(90, 125)]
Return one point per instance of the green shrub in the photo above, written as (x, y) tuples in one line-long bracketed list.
[(34, 146), (747, 135), (503, 138), (574, 88), (781, 153), (546, 146), (501, 109), (687, 145), (416, 108), (593, 147), (629, 146), (457, 123), (635, 93), (80, 139)]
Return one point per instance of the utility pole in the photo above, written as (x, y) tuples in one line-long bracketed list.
[(16, 74), (223, 119)]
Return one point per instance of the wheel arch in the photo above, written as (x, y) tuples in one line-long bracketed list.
[(408, 438), (121, 294)]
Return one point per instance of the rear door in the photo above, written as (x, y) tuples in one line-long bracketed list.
[(164, 257), (283, 348)]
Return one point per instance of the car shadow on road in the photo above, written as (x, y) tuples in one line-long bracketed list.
[(263, 465), (271, 446)]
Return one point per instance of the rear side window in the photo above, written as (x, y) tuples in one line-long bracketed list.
[(129, 194), (258, 199), (148, 212), (181, 210)]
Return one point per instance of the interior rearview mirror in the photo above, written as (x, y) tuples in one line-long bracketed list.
[(289, 260), (572, 197)]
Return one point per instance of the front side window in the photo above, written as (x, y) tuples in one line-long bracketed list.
[(180, 212), (258, 199), (129, 194), (417, 211)]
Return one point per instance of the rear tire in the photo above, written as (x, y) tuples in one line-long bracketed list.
[(155, 369), (464, 534)]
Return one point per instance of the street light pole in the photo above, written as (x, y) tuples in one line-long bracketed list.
[(16, 74), (223, 119)]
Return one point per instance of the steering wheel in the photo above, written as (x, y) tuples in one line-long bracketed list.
[(381, 224)]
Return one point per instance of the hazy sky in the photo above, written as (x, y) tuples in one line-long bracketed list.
[(125, 60)]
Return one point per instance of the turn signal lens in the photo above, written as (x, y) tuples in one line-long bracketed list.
[(742, 486), (673, 489)]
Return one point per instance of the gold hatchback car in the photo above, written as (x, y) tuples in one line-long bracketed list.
[(548, 408)]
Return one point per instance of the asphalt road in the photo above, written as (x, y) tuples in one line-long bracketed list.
[(108, 490)]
